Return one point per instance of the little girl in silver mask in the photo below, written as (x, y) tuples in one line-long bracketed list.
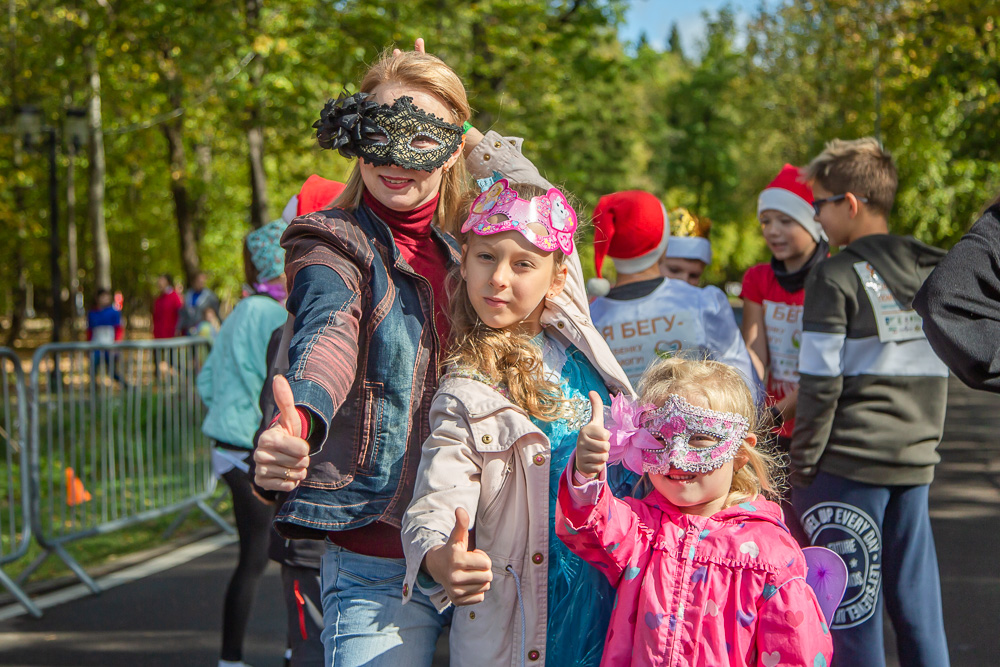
[(704, 567)]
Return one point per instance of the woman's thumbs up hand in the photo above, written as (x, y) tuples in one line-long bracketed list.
[(282, 456)]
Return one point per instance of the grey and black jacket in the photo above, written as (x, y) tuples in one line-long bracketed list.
[(872, 392)]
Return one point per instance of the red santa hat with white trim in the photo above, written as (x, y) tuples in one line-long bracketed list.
[(631, 228), (789, 194)]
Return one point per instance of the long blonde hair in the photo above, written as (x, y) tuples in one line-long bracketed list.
[(509, 360), (429, 74), (725, 390)]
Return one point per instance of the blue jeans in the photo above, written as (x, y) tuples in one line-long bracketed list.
[(883, 533), (366, 621)]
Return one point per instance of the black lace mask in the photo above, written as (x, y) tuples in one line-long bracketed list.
[(402, 135)]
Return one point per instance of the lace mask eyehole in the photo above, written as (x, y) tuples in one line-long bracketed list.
[(423, 142), (703, 441)]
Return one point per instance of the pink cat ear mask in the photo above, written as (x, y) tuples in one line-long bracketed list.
[(500, 209)]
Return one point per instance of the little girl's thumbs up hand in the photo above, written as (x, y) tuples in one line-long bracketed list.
[(465, 575), (594, 442)]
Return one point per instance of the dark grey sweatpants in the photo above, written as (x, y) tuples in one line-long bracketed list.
[(883, 533)]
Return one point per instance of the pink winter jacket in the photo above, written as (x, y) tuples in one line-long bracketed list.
[(716, 591)]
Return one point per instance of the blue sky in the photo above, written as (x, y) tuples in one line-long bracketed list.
[(655, 16)]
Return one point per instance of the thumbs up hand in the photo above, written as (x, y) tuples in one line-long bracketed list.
[(594, 441), (465, 574), (282, 456)]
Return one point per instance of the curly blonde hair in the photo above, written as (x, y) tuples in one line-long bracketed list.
[(724, 389), (427, 73), (509, 360)]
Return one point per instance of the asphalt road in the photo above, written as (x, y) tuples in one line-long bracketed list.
[(173, 618)]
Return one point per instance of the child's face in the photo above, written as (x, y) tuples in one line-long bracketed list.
[(688, 270), (103, 300), (508, 279), (786, 238), (836, 218), (701, 494)]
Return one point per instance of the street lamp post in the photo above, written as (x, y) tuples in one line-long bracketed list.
[(75, 133), (29, 125)]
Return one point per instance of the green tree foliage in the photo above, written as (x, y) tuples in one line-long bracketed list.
[(704, 129)]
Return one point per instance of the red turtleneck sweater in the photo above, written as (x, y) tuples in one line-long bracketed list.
[(411, 230)]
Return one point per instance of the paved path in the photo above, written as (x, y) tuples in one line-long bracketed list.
[(172, 618)]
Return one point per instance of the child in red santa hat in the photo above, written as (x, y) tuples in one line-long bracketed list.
[(646, 316), (773, 293)]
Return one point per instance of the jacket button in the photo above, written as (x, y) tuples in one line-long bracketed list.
[(533, 655), (539, 459), (497, 144), (487, 439), (537, 559), (561, 324), (406, 590), (486, 158), (472, 615)]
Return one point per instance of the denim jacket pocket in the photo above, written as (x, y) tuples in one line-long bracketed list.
[(372, 426)]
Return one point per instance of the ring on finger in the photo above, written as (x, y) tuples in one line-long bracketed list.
[(286, 473)]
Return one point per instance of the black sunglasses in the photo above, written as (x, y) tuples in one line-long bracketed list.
[(818, 203)]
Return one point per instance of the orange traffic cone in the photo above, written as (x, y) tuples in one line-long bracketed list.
[(75, 493)]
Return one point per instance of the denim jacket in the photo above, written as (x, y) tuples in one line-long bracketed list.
[(364, 358)]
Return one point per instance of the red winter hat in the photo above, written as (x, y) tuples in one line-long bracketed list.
[(318, 193), (632, 229), (793, 197)]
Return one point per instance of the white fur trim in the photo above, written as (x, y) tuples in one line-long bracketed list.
[(598, 286), (791, 204), (690, 247), (643, 262), (291, 209)]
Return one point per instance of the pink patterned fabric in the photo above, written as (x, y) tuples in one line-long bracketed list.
[(693, 591)]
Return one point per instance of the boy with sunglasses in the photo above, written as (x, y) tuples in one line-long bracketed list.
[(870, 412)]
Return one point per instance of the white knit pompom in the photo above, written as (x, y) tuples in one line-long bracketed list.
[(598, 287)]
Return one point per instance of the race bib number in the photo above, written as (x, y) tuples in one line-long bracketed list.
[(783, 324), (638, 343), (894, 322)]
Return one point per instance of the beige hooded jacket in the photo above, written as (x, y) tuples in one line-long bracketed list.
[(484, 454)]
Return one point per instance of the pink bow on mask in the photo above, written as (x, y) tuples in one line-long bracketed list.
[(628, 438), (500, 209)]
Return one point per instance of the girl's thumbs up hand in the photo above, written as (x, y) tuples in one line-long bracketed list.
[(465, 574), (594, 442), (282, 456)]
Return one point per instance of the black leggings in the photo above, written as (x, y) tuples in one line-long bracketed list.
[(253, 522)]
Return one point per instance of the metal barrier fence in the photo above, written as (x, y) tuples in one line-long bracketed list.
[(15, 503), (115, 439)]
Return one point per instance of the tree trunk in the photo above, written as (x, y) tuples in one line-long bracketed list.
[(95, 195), (20, 290), (184, 208), (258, 179), (203, 160), (255, 133)]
